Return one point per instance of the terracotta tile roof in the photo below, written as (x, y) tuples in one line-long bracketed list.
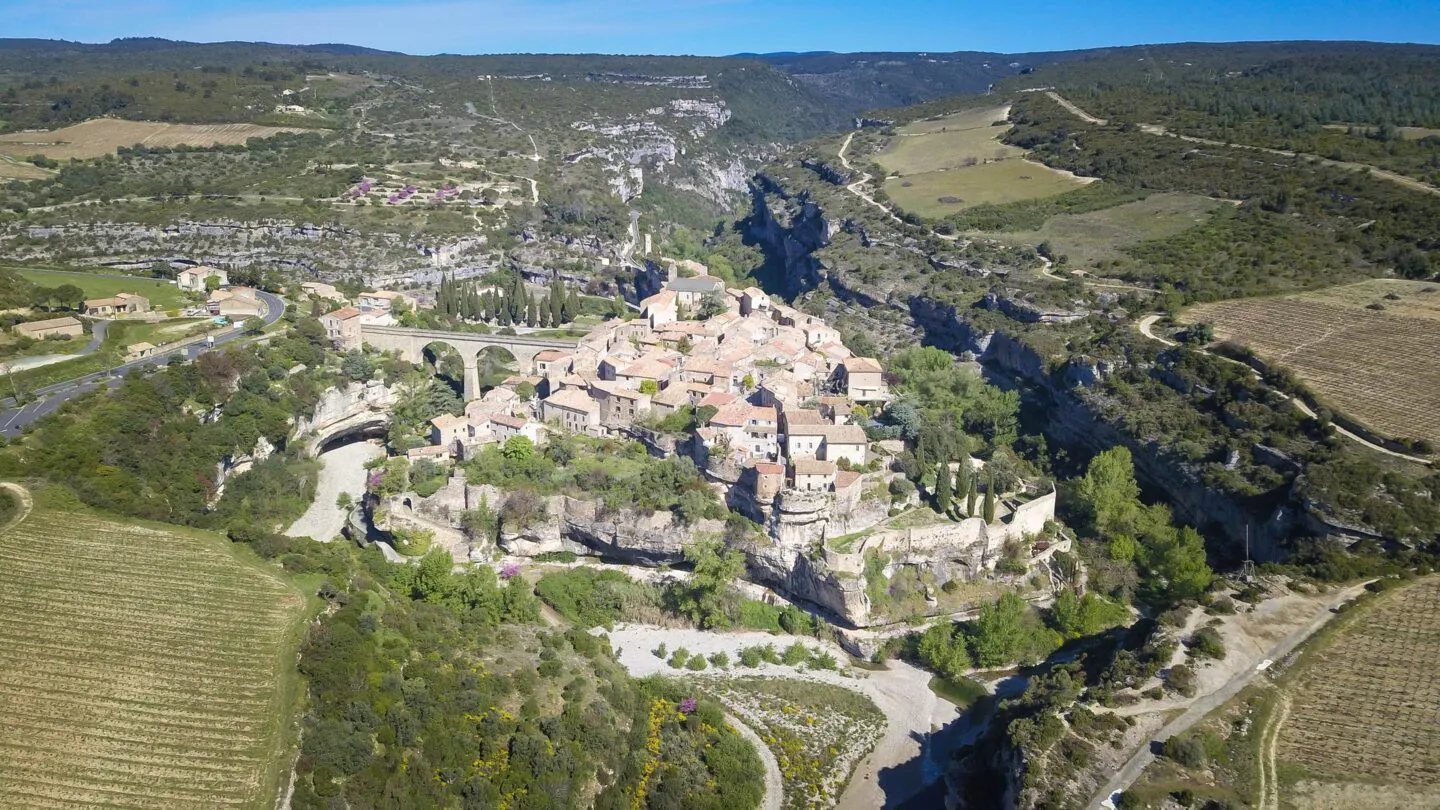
[(847, 478), (808, 467), (507, 421), (573, 399), (769, 468), (862, 365)]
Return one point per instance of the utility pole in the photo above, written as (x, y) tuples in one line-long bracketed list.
[(1247, 568)]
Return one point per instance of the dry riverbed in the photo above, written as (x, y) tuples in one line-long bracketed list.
[(900, 765)]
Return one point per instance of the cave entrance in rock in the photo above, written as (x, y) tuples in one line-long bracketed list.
[(379, 428)]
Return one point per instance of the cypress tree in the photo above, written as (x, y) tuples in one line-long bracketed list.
[(970, 499), (990, 500), (542, 312), (556, 302), (942, 488), (962, 477), (530, 316)]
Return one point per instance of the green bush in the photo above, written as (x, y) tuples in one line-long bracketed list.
[(756, 615), (696, 663), (796, 654), (720, 660), (1207, 642), (679, 658), (596, 598)]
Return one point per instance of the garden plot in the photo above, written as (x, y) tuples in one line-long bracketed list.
[(143, 668)]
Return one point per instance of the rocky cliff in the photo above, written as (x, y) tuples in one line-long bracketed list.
[(791, 228)]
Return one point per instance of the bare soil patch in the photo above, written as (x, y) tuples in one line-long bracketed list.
[(102, 136)]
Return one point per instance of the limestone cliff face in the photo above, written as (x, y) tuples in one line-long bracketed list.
[(346, 409), (309, 249), (789, 228)]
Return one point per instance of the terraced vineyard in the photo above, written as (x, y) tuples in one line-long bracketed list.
[(1375, 367), (142, 668), (1367, 708)]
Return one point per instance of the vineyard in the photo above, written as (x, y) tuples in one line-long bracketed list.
[(143, 668), (1367, 706), (1375, 367)]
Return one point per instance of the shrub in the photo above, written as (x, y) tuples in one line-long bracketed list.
[(1208, 643), (750, 657), (757, 615), (1185, 749), (660, 652), (679, 658), (720, 660), (1182, 680), (796, 654), (823, 660), (696, 663)]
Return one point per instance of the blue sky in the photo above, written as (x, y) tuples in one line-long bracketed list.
[(712, 27)]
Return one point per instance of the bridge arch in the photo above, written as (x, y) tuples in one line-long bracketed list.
[(411, 344)]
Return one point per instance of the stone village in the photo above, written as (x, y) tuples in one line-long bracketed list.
[(780, 406)]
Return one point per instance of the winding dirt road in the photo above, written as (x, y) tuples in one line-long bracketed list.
[(1205, 704), (1146, 326)]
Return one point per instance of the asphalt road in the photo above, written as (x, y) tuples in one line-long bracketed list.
[(15, 419)]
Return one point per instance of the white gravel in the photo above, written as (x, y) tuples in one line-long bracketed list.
[(902, 693), (342, 470)]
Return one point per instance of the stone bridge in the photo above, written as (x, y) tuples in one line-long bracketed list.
[(411, 344)]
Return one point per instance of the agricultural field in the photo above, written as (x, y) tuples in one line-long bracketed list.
[(144, 667), (818, 732), (944, 165), (1350, 720), (161, 294), (102, 136), (1376, 367), (1381, 670), (1090, 238), (12, 169), (1411, 299)]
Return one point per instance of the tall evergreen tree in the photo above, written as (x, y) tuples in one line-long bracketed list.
[(557, 308), (970, 499), (990, 500), (962, 477), (942, 488), (530, 315)]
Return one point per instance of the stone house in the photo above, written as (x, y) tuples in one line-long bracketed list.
[(863, 380), (447, 429), (753, 299), (826, 442), (51, 327), (236, 304), (193, 279), (573, 409), (769, 480), (661, 308), (504, 426), (814, 476), (619, 406), (670, 400), (121, 304), (139, 351), (692, 292)]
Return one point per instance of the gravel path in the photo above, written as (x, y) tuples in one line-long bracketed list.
[(774, 784), (901, 758), (342, 470)]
